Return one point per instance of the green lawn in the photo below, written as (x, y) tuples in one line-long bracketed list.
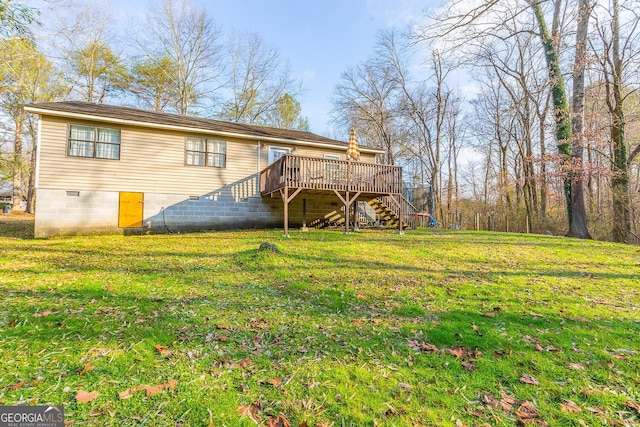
[(374, 328)]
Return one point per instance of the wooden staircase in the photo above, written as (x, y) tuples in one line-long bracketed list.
[(385, 213), (388, 213)]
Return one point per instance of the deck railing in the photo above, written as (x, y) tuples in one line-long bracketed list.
[(325, 174)]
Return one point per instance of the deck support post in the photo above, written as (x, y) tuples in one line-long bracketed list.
[(347, 205), (304, 215), (356, 222), (286, 199), (347, 202), (401, 216)]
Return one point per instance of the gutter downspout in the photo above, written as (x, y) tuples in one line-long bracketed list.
[(259, 170), (37, 148)]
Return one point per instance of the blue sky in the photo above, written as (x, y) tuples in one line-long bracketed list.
[(320, 38)]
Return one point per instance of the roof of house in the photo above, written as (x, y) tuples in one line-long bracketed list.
[(137, 117), (6, 188)]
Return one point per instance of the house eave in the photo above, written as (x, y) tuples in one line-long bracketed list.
[(91, 117)]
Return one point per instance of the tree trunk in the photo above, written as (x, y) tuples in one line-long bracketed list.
[(620, 179), (17, 166), (543, 174), (31, 192), (578, 220), (562, 115)]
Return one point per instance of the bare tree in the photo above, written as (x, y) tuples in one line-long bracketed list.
[(93, 69), (578, 221), (257, 79), (617, 27), (26, 76), (365, 97), (190, 40)]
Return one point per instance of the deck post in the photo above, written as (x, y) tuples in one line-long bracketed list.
[(356, 222), (401, 215), (346, 213), (304, 215), (285, 200)]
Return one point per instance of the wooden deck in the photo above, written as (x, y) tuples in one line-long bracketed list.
[(308, 173), (348, 180)]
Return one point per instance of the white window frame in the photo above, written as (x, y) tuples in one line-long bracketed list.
[(331, 167), (207, 153), (273, 149), (94, 142)]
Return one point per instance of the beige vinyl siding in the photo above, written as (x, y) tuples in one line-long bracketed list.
[(152, 161)]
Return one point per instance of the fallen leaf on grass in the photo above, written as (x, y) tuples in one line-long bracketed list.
[(130, 392), (151, 390), (529, 379), (633, 405), (244, 363), (357, 322), (421, 346), (279, 421), (84, 397), (259, 323), (12, 323), (87, 368), (275, 381), (576, 366), (579, 319), (17, 385), (476, 329), (590, 391), (489, 399), (222, 326), (476, 413), (43, 313), (457, 351), (507, 402), (527, 411), (469, 366), (619, 356), (250, 411), (570, 407), (95, 413), (163, 350)]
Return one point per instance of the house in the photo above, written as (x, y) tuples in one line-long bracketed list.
[(103, 168), (6, 192)]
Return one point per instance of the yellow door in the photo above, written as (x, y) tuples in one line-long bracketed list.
[(131, 210)]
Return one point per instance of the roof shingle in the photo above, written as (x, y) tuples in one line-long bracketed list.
[(152, 117)]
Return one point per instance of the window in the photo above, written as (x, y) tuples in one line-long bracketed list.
[(94, 142), (277, 152), (332, 167), (206, 152)]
